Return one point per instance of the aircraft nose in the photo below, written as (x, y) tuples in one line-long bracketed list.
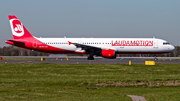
[(172, 48)]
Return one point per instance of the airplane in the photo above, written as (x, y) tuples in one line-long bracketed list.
[(105, 47)]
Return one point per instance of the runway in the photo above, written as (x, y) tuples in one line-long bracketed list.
[(83, 60), (91, 62)]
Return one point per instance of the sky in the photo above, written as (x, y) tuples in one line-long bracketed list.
[(94, 18)]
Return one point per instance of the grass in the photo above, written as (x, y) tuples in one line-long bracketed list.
[(87, 82)]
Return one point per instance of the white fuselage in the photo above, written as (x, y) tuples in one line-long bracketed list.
[(120, 45)]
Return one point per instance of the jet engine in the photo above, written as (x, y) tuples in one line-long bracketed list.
[(110, 53)]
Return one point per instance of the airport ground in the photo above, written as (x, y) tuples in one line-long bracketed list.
[(29, 78), (89, 82)]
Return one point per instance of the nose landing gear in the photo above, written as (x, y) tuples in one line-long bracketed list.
[(155, 58)]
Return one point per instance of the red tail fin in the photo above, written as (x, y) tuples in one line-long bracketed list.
[(18, 30)]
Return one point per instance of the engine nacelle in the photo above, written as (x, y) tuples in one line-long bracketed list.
[(109, 53)]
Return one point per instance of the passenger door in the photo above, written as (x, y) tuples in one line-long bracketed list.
[(155, 43)]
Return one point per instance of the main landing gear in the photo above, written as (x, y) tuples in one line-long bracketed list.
[(90, 57)]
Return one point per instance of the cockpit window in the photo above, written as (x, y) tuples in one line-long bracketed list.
[(166, 43)]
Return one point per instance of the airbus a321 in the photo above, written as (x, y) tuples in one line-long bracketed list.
[(105, 47)]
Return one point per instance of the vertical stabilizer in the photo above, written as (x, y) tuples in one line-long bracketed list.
[(18, 30)]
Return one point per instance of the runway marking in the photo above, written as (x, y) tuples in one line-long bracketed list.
[(137, 98)]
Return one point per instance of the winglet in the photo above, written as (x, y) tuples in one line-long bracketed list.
[(69, 42)]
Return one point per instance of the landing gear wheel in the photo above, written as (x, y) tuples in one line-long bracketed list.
[(155, 59), (90, 58)]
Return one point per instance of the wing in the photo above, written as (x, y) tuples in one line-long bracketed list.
[(86, 48)]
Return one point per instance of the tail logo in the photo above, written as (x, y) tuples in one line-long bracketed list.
[(17, 27)]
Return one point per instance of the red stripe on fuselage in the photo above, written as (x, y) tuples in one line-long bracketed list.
[(39, 46), (34, 44)]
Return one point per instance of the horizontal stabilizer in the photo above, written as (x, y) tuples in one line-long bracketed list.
[(16, 43)]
